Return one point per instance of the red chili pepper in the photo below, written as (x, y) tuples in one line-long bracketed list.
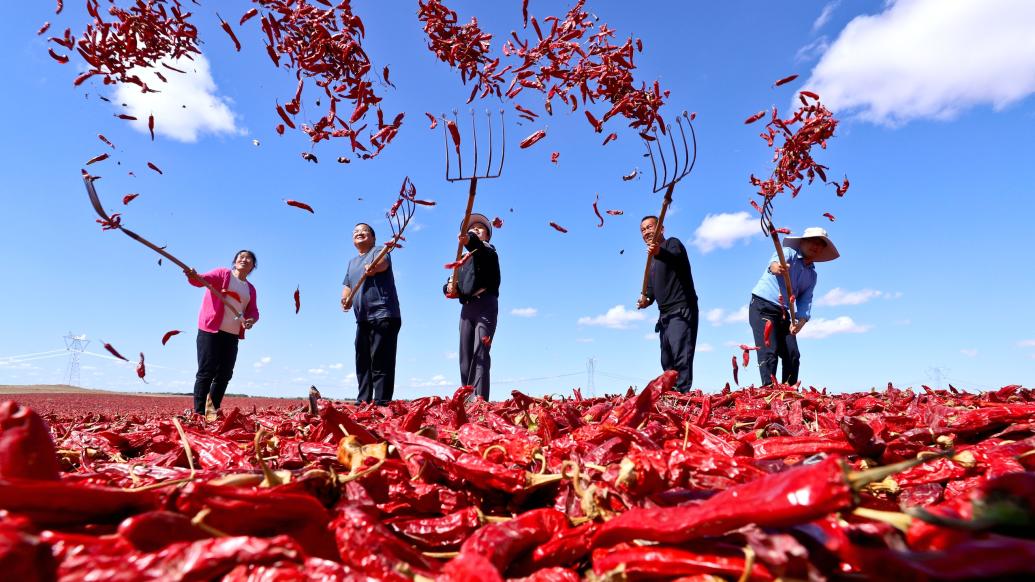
[(114, 352), (610, 138), (631, 175), (128, 198), (829, 216), (558, 227), (532, 139), (785, 80), (768, 330), (653, 561), (810, 95), (169, 334), (229, 31), (433, 119), (298, 300), (782, 230), (486, 341), (457, 264), (615, 212), (310, 157), (597, 126), (248, 15), (454, 133), (141, 370), (151, 126), (43, 29), (735, 370), (301, 205), (231, 294), (497, 222), (754, 118), (554, 156), (154, 167), (99, 158), (287, 120), (59, 58), (596, 211), (26, 449), (126, 117), (60, 6)]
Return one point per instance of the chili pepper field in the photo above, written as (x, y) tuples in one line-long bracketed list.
[(751, 484)]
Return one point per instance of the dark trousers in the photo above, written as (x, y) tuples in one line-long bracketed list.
[(477, 328), (678, 332), (377, 341), (217, 354), (782, 344)]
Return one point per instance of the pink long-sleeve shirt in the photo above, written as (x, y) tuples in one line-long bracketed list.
[(212, 309)]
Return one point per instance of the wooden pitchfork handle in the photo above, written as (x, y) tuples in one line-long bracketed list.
[(786, 274), (657, 233), (463, 229), (377, 260), (96, 202)]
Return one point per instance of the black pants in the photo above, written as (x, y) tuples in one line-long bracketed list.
[(217, 354), (678, 332), (782, 344), (477, 328), (376, 343)]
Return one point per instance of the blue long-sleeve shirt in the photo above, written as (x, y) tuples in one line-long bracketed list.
[(803, 280)]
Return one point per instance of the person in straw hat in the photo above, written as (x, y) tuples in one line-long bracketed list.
[(477, 286), (770, 296)]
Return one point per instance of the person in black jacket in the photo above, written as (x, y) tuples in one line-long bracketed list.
[(477, 285), (671, 284)]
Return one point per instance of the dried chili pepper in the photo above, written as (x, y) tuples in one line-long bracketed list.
[(26, 449), (533, 138), (155, 168), (558, 227), (298, 300), (301, 205), (785, 80), (128, 198), (113, 351), (169, 334)]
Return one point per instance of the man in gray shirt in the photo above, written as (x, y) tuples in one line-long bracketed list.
[(378, 318)]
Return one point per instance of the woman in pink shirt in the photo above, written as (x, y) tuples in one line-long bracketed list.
[(220, 328)]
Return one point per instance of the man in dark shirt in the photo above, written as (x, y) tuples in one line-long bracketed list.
[(378, 318), (671, 284), (477, 285)]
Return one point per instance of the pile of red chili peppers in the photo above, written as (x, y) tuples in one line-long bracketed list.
[(751, 484)]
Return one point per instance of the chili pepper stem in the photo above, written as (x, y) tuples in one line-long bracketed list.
[(534, 480), (237, 480), (496, 519), (440, 556), (485, 453), (922, 514), (198, 521), (899, 521), (186, 446), (749, 564), (859, 479), (158, 485), (342, 479)]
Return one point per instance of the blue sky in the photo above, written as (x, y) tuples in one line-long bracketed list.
[(933, 283)]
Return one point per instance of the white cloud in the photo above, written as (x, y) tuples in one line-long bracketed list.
[(263, 362), (838, 296), (451, 355), (337, 366), (434, 381), (821, 328), (930, 59), (205, 111), (584, 340), (705, 347), (653, 337), (524, 311), (317, 371), (718, 316), (813, 50), (1026, 343), (969, 353), (722, 231), (825, 14), (616, 318)]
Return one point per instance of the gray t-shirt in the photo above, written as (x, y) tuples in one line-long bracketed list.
[(376, 298)]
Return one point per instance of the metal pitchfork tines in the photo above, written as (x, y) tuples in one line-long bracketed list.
[(398, 218), (770, 230), (682, 164), (114, 222), (452, 136)]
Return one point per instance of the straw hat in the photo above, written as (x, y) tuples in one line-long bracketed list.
[(829, 252), (481, 219)]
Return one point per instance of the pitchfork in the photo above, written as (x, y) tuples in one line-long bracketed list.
[(682, 165), (115, 223), (398, 217), (770, 230), (475, 173)]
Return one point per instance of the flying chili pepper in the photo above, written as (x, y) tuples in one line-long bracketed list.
[(558, 227), (60, 6), (810, 94), (283, 115), (597, 126), (610, 138), (747, 353), (735, 370), (531, 114), (615, 212), (532, 139), (229, 31), (128, 198), (59, 58), (486, 341), (301, 205), (454, 133), (782, 230), (754, 118), (343, 160), (310, 157), (843, 187), (126, 117), (423, 202), (434, 120), (151, 126), (497, 222), (830, 216), (248, 15), (141, 370), (280, 129), (756, 206), (43, 29), (524, 13), (460, 263), (114, 352), (231, 294), (169, 334), (154, 167), (768, 330), (785, 80), (631, 175), (99, 158), (596, 211), (554, 156), (298, 300), (105, 140), (385, 75)]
